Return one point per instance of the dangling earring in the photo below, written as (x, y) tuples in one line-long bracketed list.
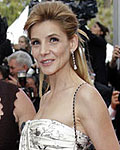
[(74, 64)]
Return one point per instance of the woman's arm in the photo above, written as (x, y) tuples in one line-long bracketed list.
[(24, 109), (95, 119)]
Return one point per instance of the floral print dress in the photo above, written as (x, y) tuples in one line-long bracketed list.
[(46, 134)]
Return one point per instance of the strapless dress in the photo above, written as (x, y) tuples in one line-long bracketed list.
[(46, 134)]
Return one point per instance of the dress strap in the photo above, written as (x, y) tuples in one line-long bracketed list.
[(74, 122), (22, 126)]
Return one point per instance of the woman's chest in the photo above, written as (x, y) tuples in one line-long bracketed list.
[(59, 108)]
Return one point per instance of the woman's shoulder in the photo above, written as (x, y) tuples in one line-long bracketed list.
[(88, 94), (89, 102), (85, 89)]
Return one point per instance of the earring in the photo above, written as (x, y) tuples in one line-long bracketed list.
[(74, 64)]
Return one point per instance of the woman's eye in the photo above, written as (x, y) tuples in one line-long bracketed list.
[(54, 39), (35, 42)]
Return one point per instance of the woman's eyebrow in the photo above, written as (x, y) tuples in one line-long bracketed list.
[(53, 34)]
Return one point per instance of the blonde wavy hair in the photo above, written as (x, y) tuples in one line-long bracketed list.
[(61, 13)]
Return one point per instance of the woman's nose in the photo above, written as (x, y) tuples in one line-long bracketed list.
[(44, 49)]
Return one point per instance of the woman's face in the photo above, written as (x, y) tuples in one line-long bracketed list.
[(22, 43), (95, 29), (50, 47)]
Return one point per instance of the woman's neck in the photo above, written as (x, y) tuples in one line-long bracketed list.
[(63, 79)]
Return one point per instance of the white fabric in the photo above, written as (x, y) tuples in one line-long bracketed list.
[(51, 135), (112, 112), (109, 52), (15, 30)]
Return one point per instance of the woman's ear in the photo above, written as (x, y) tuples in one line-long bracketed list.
[(74, 43)]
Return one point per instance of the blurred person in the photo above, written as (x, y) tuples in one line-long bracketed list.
[(72, 114), (114, 80), (114, 110), (24, 45), (15, 108), (5, 50), (4, 72), (19, 64), (32, 84), (96, 50), (96, 54), (5, 44), (18, 61), (114, 69)]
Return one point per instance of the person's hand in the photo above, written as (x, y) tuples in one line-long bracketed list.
[(114, 99), (115, 55), (13, 80)]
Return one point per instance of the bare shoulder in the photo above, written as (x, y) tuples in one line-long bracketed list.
[(89, 94), (89, 99)]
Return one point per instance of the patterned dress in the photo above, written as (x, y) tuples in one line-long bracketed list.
[(46, 134)]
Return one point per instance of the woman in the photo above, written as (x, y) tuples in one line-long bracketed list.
[(24, 45), (72, 112)]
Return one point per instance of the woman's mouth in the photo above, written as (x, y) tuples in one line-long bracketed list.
[(47, 62)]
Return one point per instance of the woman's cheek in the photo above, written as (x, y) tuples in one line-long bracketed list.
[(35, 53)]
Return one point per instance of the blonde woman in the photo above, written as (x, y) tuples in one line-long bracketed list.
[(72, 114)]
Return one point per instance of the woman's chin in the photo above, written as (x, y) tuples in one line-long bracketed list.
[(48, 73)]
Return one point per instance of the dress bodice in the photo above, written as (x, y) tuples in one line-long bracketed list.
[(46, 134)]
